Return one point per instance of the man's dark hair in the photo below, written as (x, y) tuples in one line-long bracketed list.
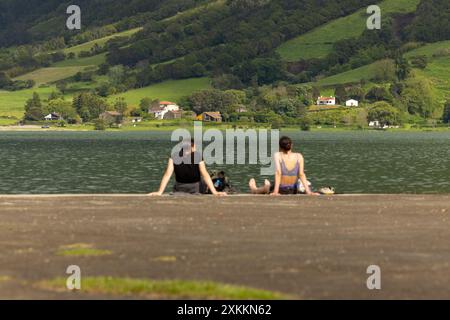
[(285, 144), (185, 146)]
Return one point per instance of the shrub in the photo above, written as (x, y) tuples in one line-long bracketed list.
[(99, 124)]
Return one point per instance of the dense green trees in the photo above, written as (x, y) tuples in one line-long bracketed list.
[(225, 41), (384, 113), (379, 93), (33, 108), (419, 62), (5, 80), (89, 106), (446, 115), (431, 22), (386, 71), (120, 105), (6, 83), (211, 100), (418, 98), (63, 108), (85, 106), (233, 42)]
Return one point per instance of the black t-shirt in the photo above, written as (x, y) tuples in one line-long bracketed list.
[(187, 168)]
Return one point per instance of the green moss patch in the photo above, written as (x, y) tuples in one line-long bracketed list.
[(164, 288), (81, 249)]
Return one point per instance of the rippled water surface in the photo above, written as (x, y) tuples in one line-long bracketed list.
[(133, 162)]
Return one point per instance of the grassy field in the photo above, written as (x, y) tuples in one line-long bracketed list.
[(7, 121), (167, 90), (437, 71), (51, 74), (429, 49), (196, 10), (102, 41), (80, 62), (365, 72), (437, 68), (319, 42), (12, 102)]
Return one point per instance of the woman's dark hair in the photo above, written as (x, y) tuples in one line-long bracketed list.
[(187, 146), (285, 144)]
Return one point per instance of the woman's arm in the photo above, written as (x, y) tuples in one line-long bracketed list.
[(302, 175), (276, 189), (165, 179), (208, 181)]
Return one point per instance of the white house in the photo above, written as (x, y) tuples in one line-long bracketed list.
[(53, 117), (351, 103), (163, 108), (326, 101), (374, 124)]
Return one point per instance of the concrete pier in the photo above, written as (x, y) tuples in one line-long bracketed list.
[(306, 247)]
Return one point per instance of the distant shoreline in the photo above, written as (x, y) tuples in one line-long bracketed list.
[(87, 128)]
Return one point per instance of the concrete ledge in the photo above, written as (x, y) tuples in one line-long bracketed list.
[(247, 195), (308, 247)]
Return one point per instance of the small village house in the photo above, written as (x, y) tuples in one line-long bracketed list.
[(326, 101), (111, 117), (241, 109), (173, 114), (210, 116), (53, 117), (352, 103), (136, 119), (189, 114), (162, 108), (374, 124)]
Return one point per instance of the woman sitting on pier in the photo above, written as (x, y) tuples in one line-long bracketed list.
[(289, 167), (191, 174)]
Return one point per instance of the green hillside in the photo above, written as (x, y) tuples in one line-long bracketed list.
[(69, 67), (80, 62), (229, 45), (430, 49), (49, 75), (319, 42), (437, 71), (351, 76), (196, 10), (12, 102), (101, 42), (167, 90)]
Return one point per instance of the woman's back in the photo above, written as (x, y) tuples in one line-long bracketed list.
[(290, 168)]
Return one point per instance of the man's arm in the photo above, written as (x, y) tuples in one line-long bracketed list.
[(165, 179), (208, 181)]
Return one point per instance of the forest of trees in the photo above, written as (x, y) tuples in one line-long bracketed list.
[(233, 44)]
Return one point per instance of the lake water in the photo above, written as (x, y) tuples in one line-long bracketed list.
[(133, 162)]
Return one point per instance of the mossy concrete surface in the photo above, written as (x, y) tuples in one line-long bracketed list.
[(299, 246)]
